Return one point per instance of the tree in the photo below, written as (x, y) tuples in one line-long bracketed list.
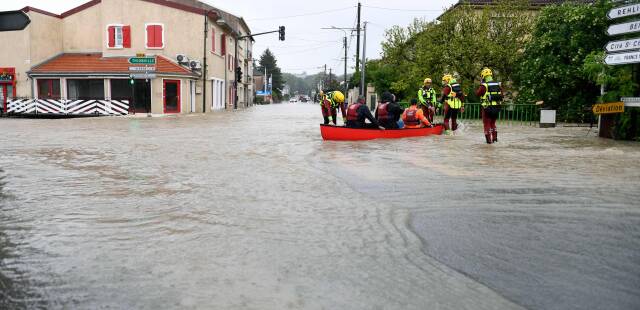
[(268, 61), (461, 43), (552, 67)]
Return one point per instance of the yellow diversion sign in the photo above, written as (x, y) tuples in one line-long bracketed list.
[(607, 108)]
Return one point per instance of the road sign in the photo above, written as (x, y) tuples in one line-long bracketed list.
[(13, 20), (631, 101), (263, 93), (624, 11), (608, 108), (623, 45), (629, 27), (147, 69), (622, 58), (143, 76), (142, 60)]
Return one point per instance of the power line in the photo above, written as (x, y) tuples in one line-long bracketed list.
[(302, 15), (405, 10)]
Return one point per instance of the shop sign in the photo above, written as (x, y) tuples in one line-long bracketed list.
[(608, 108)]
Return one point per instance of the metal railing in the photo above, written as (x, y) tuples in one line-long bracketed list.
[(528, 114)]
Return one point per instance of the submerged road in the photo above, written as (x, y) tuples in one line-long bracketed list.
[(252, 210)]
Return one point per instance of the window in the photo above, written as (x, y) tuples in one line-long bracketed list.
[(118, 36), (49, 89), (121, 89), (223, 44), (155, 36), (89, 89)]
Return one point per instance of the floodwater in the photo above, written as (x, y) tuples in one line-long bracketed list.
[(252, 210)]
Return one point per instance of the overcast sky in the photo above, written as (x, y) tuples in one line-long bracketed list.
[(307, 47)]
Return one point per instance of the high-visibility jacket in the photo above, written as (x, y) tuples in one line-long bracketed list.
[(427, 97), (452, 99), (329, 96), (492, 93)]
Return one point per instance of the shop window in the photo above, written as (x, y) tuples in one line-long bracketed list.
[(88, 89), (49, 89), (155, 36), (121, 89), (119, 36)]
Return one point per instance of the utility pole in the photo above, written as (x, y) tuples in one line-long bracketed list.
[(358, 38), (345, 68), (363, 87), (324, 77), (330, 76)]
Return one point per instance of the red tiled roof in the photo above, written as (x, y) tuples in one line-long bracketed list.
[(95, 63)]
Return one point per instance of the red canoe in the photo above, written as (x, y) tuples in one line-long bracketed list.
[(351, 134)]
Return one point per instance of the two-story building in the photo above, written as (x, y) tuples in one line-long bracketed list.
[(85, 54)]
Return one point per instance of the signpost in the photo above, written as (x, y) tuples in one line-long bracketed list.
[(145, 76), (608, 108), (142, 68), (142, 60), (13, 20), (623, 45), (623, 28), (632, 102), (624, 11), (622, 58)]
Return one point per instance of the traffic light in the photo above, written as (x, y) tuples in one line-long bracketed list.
[(238, 74), (131, 81), (281, 31)]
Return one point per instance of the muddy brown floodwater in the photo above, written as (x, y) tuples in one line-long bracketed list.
[(252, 210)]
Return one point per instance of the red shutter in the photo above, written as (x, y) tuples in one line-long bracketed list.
[(223, 43), (150, 36), (126, 36), (112, 36), (158, 36)]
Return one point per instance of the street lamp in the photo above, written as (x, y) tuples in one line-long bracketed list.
[(346, 90)]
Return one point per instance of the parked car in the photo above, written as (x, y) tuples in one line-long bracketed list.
[(293, 100)]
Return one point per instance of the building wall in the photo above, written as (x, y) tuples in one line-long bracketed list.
[(15, 53), (82, 31)]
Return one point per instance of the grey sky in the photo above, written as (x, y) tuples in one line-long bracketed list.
[(307, 47)]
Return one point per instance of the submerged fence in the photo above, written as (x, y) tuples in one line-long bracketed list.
[(511, 113), (62, 107)]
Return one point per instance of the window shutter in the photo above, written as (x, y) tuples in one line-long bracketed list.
[(126, 36), (112, 36), (158, 36), (150, 36), (223, 43)]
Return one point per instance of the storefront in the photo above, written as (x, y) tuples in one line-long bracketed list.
[(7, 86)]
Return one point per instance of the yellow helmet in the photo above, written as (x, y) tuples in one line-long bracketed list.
[(486, 72), (427, 81), (338, 96), (446, 79)]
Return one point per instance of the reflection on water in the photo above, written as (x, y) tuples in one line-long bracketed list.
[(253, 210)]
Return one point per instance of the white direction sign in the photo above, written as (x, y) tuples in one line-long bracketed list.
[(624, 11), (623, 45), (142, 68), (622, 58), (143, 75), (631, 101), (629, 27)]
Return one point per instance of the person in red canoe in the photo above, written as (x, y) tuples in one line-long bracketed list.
[(413, 117), (388, 112), (330, 102), (358, 112)]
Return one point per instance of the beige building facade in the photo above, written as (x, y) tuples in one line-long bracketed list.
[(85, 54)]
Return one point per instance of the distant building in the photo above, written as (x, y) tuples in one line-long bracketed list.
[(83, 54)]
